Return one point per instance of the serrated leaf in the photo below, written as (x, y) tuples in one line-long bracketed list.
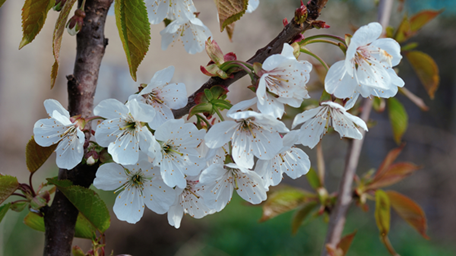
[(300, 215), (36, 155), (283, 199), (409, 211), (398, 118), (88, 203), (230, 11), (8, 184), (57, 38), (394, 174), (382, 212), (426, 69), (313, 179), (403, 31), (134, 31), (4, 208), (34, 13), (422, 18), (82, 229)]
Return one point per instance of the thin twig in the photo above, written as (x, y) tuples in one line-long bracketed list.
[(344, 199)]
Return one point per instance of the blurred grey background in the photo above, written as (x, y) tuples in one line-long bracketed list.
[(430, 138)]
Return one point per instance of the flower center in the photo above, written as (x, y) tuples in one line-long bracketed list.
[(168, 148), (153, 97), (248, 125)]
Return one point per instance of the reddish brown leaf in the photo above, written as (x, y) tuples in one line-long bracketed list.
[(426, 69), (422, 18), (345, 242), (389, 159), (36, 155), (332, 251), (403, 31), (409, 211), (394, 174)]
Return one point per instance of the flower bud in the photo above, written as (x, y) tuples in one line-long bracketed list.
[(214, 52), (296, 49), (301, 14), (91, 157), (59, 5), (319, 24), (74, 25)]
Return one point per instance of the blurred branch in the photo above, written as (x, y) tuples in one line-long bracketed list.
[(344, 198), (287, 35), (60, 217)]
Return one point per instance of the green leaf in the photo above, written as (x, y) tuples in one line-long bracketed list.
[(283, 199), (57, 38), (88, 203), (378, 104), (34, 13), (4, 209), (208, 94), (83, 228), (426, 69), (313, 179), (221, 104), (2, 2), (422, 18), (300, 215), (230, 11), (201, 108), (398, 118), (382, 212), (134, 31), (8, 184), (36, 155), (409, 211), (403, 31)]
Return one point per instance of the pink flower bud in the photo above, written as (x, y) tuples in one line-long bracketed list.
[(214, 52), (301, 14), (74, 25)]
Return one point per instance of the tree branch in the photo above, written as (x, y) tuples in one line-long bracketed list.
[(60, 217), (344, 198), (287, 35)]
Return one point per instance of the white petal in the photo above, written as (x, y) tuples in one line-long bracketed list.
[(242, 105), (392, 47), (171, 172), (175, 215), (106, 131), (70, 150), (110, 176), (174, 95), (164, 114), (125, 149), (250, 187), (158, 196), (160, 78), (266, 144), (218, 193), (140, 113), (47, 132), (129, 206), (252, 5), (268, 172), (220, 133), (111, 109), (242, 151), (295, 163), (366, 34), (52, 105), (305, 116)]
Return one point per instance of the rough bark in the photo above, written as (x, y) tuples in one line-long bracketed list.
[(60, 217)]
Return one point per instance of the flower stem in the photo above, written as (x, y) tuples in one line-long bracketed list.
[(322, 62), (17, 194), (311, 38), (322, 41), (219, 114), (204, 120), (247, 67)]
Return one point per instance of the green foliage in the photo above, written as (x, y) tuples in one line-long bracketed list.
[(57, 37), (3, 210), (382, 212), (409, 211), (426, 69), (36, 155), (8, 184), (88, 203), (398, 118), (409, 27), (283, 199), (300, 216), (134, 31), (210, 101), (313, 179), (34, 13), (83, 228)]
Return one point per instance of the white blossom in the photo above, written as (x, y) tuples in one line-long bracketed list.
[(367, 68), (141, 185), (251, 134), (316, 122), (124, 132), (282, 81), (179, 155), (158, 10), (220, 180), (58, 128), (290, 160), (252, 5), (193, 32), (160, 96), (189, 201)]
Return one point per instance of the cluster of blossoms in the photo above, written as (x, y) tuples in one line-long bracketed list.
[(172, 166)]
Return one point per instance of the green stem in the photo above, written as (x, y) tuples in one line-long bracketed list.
[(204, 120), (304, 50), (304, 42), (247, 67), (322, 41), (219, 114)]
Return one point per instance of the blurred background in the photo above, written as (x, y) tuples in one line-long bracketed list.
[(430, 137)]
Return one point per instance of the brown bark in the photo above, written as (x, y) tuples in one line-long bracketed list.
[(60, 217)]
